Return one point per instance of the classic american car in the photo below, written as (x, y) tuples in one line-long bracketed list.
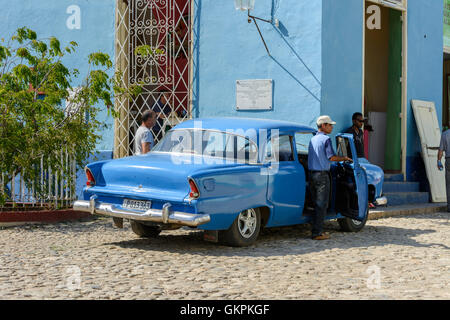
[(229, 177)]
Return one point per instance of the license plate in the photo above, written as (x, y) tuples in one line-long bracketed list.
[(136, 204)]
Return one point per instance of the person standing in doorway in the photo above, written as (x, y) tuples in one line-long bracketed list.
[(358, 133), (143, 141), (445, 148), (320, 156)]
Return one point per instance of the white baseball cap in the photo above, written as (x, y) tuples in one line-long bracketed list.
[(325, 119)]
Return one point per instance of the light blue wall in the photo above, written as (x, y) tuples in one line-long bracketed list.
[(342, 60), (425, 68), (230, 49), (316, 61), (425, 62), (342, 43), (48, 18)]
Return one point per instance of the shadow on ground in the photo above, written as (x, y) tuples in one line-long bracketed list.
[(282, 241), (272, 242)]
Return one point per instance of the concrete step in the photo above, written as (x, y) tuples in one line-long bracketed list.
[(405, 210), (391, 186), (393, 177), (404, 198)]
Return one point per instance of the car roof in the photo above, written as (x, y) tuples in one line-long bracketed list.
[(236, 123)]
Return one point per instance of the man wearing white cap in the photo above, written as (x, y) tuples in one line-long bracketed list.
[(320, 156)]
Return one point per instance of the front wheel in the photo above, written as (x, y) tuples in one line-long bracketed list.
[(144, 231), (352, 225), (245, 229)]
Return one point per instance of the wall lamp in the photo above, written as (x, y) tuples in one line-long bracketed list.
[(248, 5)]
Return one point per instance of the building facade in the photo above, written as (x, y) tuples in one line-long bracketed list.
[(332, 57)]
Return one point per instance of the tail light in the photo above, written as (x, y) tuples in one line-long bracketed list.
[(194, 194), (90, 178)]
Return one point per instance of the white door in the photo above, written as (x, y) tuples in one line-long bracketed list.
[(430, 137)]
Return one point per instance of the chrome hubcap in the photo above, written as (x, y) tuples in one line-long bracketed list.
[(247, 223)]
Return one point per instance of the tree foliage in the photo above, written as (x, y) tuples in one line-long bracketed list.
[(36, 125)]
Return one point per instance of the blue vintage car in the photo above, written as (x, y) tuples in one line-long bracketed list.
[(229, 177)]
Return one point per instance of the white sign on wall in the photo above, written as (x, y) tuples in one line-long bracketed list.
[(254, 94)]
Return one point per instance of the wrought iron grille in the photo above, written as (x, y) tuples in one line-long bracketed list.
[(57, 189), (166, 77)]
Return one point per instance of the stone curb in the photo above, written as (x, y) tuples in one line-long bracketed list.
[(12, 219), (17, 218), (406, 210)]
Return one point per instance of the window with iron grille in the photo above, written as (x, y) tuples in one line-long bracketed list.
[(165, 25)]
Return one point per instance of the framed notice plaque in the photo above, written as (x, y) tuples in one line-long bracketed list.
[(254, 94)]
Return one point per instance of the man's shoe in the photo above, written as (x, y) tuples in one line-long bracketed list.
[(321, 237)]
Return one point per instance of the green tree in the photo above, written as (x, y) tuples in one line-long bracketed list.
[(35, 123)]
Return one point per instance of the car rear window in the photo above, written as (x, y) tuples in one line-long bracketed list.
[(209, 143)]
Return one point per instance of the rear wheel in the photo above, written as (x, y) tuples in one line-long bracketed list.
[(245, 229), (144, 231), (352, 225)]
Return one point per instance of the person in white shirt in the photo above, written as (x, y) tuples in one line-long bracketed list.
[(144, 141)]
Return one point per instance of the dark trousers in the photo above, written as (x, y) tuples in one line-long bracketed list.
[(447, 181), (320, 185)]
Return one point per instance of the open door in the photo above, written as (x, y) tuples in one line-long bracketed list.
[(353, 178), (430, 137), (384, 65)]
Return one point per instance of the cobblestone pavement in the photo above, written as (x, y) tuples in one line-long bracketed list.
[(394, 258)]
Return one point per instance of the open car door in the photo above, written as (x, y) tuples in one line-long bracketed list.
[(354, 179)]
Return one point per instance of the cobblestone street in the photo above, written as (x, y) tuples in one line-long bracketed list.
[(394, 258)]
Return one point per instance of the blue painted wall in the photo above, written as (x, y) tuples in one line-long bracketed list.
[(342, 56), (96, 33), (342, 60), (425, 65), (49, 18), (229, 49), (315, 62)]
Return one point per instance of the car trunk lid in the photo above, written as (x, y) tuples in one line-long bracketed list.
[(160, 175)]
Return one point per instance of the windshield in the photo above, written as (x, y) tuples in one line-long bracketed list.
[(209, 143)]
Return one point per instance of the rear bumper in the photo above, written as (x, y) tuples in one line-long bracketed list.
[(165, 216)]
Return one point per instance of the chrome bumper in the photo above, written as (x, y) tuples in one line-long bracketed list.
[(166, 215), (381, 201)]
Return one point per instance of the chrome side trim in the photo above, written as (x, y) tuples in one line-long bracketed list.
[(166, 215)]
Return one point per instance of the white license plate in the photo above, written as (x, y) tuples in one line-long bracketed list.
[(137, 204)]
